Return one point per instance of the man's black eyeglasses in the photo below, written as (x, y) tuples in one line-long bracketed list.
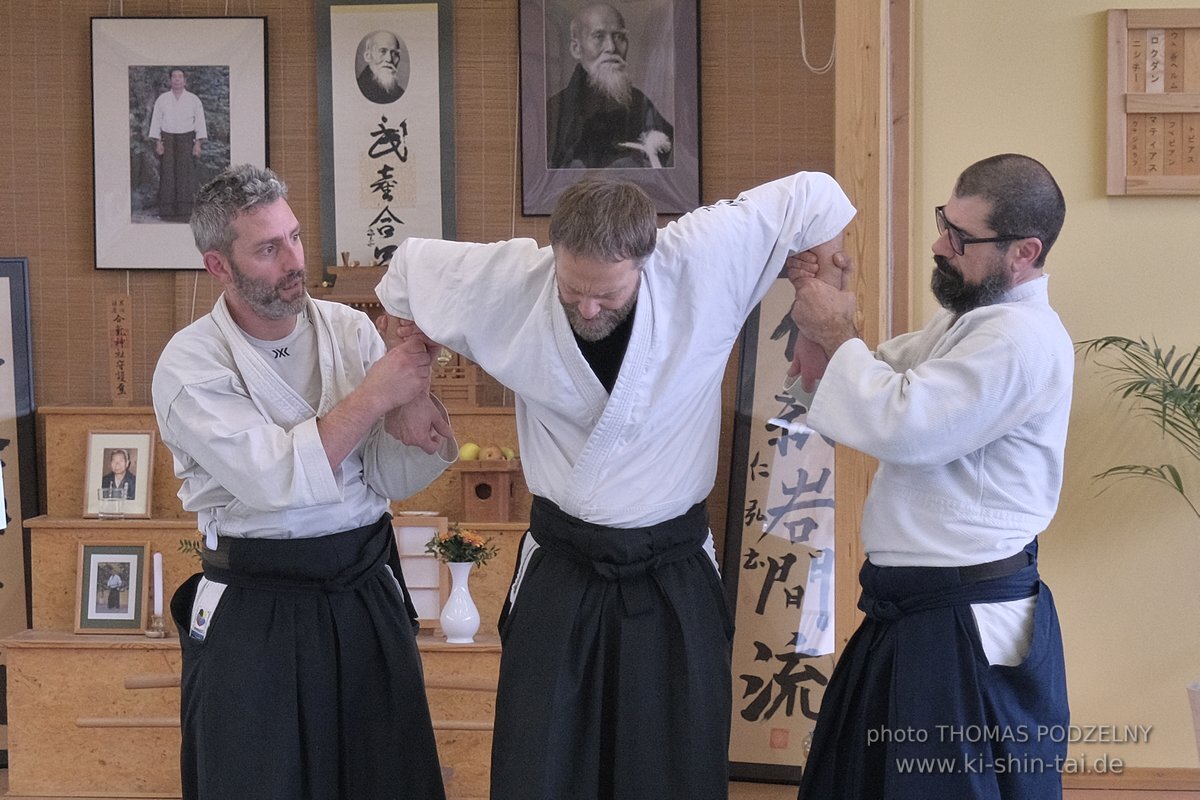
[(959, 238)]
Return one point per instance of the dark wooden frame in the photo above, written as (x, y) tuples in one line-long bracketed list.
[(655, 26)]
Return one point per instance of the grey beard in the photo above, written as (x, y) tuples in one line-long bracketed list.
[(613, 83), (265, 298), (600, 326)]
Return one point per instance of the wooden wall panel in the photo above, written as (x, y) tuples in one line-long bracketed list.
[(763, 115)]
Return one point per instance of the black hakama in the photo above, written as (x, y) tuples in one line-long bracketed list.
[(914, 710), (177, 184), (308, 684), (615, 673)]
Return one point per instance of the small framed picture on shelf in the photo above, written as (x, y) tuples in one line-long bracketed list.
[(117, 479), (112, 587)]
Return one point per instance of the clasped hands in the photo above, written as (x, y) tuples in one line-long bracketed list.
[(417, 420), (823, 310)]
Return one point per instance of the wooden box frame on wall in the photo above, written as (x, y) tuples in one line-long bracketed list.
[(1154, 101)]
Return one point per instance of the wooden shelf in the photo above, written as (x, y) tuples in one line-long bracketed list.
[(488, 465)]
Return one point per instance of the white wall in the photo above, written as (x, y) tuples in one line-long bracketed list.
[(1029, 76)]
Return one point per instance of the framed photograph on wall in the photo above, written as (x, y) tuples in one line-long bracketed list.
[(112, 587), (174, 102), (119, 474), (778, 558), (610, 87), (385, 97), (18, 446)]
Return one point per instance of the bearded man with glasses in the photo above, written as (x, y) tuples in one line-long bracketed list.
[(949, 685)]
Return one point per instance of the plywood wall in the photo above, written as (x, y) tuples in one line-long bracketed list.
[(763, 115)]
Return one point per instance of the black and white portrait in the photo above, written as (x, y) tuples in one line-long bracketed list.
[(614, 86), (601, 118), (382, 65)]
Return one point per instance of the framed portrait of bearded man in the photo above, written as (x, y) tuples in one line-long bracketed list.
[(610, 87)]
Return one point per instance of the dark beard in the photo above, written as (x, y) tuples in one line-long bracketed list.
[(955, 294)]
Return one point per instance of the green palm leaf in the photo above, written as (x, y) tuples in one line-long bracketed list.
[(1161, 385)]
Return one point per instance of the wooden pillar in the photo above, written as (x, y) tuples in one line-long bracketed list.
[(862, 165)]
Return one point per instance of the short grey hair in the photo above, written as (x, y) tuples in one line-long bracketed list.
[(610, 220), (237, 190)]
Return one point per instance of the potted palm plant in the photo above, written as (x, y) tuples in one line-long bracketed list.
[(1163, 385)]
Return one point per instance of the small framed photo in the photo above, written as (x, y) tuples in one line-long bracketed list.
[(112, 587), (117, 479)]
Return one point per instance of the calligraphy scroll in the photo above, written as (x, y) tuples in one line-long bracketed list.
[(779, 554), (387, 112), (120, 346)]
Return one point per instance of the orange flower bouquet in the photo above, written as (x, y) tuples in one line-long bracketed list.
[(461, 545)]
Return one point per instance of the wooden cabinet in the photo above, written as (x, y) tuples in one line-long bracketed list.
[(79, 727), (76, 731)]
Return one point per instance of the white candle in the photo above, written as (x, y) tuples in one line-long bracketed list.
[(158, 590)]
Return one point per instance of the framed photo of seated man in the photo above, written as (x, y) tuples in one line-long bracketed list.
[(610, 86)]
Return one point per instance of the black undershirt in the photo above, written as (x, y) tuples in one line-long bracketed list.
[(605, 356)]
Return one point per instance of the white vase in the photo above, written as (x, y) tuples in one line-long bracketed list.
[(460, 617)]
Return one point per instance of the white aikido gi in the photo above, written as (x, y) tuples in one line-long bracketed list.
[(640, 457), (246, 444), (648, 452), (304, 586), (968, 418)]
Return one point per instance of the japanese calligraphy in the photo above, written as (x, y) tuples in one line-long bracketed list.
[(119, 344), (788, 677), (389, 144)]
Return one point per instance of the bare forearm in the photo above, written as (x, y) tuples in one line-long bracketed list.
[(347, 423)]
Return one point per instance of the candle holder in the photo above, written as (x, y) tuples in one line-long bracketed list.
[(157, 629)]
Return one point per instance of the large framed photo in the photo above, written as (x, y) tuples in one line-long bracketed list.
[(779, 557), (119, 474), (174, 102), (112, 589), (611, 87), (386, 103)]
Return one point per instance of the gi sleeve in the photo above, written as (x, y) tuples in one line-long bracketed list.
[(981, 387), (479, 300), (739, 246), (396, 470), (262, 465)]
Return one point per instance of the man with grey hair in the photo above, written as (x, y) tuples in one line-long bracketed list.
[(615, 675), (601, 119), (301, 677), (380, 80)]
